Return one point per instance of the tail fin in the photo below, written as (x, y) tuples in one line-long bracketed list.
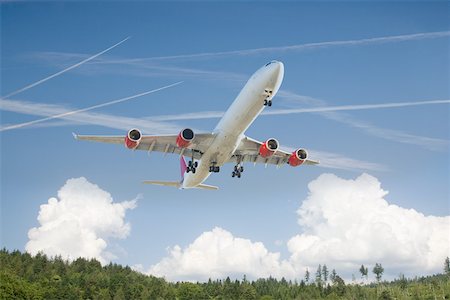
[(183, 167)]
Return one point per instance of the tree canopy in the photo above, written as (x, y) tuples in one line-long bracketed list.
[(23, 276)]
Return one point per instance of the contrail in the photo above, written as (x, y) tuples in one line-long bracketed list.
[(219, 114), (63, 71), (352, 107), (299, 47), (62, 115)]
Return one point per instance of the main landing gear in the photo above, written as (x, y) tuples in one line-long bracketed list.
[(268, 94), (238, 169), (214, 169), (192, 166)]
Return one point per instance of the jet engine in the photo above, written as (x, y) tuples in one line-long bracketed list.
[(297, 157), (185, 138), (133, 138), (268, 148)]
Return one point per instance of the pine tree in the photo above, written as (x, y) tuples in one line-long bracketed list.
[(333, 276), (447, 266), (325, 273), (319, 276), (307, 276)]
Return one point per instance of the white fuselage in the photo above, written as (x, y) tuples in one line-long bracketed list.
[(230, 130)]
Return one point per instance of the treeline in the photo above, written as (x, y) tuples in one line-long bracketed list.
[(25, 277)]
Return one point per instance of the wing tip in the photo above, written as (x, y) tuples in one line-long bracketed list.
[(75, 136)]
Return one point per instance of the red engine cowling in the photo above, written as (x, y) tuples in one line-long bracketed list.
[(185, 138), (298, 157), (133, 138), (268, 148)]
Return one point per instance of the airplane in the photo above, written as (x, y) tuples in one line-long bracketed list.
[(227, 143)]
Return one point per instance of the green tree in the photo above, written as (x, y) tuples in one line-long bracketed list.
[(190, 291), (319, 276), (307, 276), (378, 271), (364, 271), (339, 285), (447, 266), (247, 291), (333, 276), (325, 273)]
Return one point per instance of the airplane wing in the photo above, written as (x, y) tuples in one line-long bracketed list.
[(248, 151), (159, 143)]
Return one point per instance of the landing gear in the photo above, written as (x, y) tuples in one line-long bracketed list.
[(267, 102), (214, 169), (192, 167), (268, 94), (238, 169)]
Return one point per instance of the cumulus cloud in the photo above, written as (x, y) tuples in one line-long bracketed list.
[(344, 223), (217, 254), (79, 222)]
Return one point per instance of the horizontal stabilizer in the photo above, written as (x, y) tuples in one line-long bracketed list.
[(206, 187), (175, 184)]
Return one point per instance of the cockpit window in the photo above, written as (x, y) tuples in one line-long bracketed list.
[(273, 61)]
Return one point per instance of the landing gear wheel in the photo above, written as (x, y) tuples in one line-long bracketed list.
[(239, 175), (269, 103), (193, 170), (241, 169), (233, 174), (195, 164), (265, 102)]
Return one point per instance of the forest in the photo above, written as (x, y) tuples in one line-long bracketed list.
[(23, 276)]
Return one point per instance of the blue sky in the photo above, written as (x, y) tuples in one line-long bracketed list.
[(406, 149)]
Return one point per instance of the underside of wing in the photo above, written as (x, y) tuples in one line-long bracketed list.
[(249, 151), (176, 144)]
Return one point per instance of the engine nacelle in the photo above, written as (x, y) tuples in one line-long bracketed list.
[(298, 157), (268, 148), (185, 138), (133, 138)]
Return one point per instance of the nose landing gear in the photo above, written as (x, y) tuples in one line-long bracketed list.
[(268, 99)]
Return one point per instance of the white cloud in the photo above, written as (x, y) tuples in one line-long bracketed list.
[(344, 223), (79, 222), (217, 254), (347, 223)]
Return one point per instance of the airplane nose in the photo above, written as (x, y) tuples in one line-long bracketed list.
[(279, 67)]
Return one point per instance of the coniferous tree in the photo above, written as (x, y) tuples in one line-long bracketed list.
[(307, 276), (333, 276), (319, 276), (447, 266), (325, 273)]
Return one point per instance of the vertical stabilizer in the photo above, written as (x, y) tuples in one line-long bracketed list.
[(183, 167)]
